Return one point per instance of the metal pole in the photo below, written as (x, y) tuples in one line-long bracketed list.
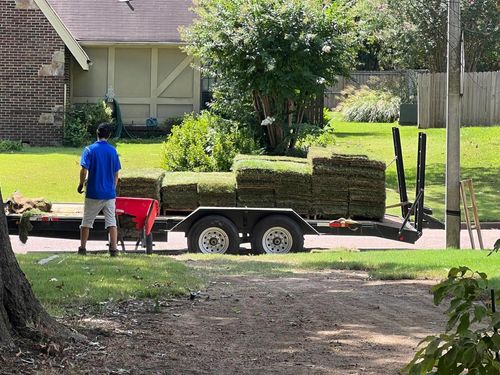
[(452, 221)]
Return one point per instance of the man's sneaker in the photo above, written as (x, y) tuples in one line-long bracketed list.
[(82, 251), (113, 253)]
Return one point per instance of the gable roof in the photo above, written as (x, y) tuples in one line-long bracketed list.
[(151, 21), (66, 36)]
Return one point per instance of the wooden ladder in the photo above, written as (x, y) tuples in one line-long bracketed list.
[(466, 186)]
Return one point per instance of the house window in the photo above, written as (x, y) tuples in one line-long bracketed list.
[(206, 91)]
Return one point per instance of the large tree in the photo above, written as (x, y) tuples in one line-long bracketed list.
[(280, 53), (411, 34), (20, 312)]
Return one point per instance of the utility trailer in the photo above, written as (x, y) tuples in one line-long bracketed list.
[(269, 230)]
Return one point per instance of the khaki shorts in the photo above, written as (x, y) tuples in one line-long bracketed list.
[(92, 208)]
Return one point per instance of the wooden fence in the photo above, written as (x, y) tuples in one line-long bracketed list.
[(360, 78), (480, 103)]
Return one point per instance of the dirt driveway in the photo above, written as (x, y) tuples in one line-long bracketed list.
[(331, 322)]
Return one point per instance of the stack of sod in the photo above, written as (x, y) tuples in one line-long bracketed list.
[(330, 191), (273, 181), (367, 189), (217, 189), (140, 183), (188, 190), (347, 185), (179, 191)]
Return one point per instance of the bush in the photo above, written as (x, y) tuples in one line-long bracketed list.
[(81, 122), (368, 105), (170, 122), (315, 136), (205, 143), (10, 146), (472, 333)]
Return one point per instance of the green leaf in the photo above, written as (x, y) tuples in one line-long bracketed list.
[(447, 361), (495, 340), (479, 313), (469, 356), (464, 323), (495, 320)]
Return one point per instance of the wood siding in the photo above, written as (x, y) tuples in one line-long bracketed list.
[(148, 81)]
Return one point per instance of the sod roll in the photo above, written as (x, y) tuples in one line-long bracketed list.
[(347, 185), (140, 183)]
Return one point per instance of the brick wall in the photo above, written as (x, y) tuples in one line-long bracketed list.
[(34, 66)]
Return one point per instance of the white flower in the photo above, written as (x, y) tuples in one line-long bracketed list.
[(326, 48), (320, 81), (267, 121)]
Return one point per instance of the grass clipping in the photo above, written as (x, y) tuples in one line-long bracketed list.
[(140, 183)]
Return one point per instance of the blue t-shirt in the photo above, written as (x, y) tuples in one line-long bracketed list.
[(102, 162)]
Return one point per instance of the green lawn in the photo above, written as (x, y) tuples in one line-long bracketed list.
[(480, 160), (52, 172), (385, 265), (71, 281)]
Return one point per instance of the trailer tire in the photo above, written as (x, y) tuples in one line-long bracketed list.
[(277, 234), (213, 234)]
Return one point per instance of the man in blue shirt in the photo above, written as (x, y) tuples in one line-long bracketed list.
[(100, 166)]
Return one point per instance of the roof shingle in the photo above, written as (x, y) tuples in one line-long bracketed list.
[(113, 21)]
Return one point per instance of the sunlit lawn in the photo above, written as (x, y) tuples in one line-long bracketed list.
[(71, 281), (480, 160), (52, 172), (388, 265)]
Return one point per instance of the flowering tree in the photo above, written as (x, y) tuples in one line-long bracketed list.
[(282, 53)]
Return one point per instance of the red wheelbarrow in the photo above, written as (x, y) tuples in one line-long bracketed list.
[(135, 218)]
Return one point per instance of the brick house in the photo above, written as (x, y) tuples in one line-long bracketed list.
[(56, 52)]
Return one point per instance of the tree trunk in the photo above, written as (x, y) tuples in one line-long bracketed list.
[(20, 312)]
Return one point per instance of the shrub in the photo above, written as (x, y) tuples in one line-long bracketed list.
[(315, 136), (170, 122), (472, 334), (368, 105), (205, 143), (10, 146), (81, 122)]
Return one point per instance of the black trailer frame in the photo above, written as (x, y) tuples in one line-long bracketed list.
[(247, 220)]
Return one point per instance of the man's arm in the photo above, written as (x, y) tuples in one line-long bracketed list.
[(83, 176), (116, 178)]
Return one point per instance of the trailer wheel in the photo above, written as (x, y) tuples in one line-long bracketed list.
[(213, 235), (277, 234)]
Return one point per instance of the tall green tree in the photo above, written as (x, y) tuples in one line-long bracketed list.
[(280, 53), (412, 34)]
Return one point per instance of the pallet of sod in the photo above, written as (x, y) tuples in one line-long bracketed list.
[(347, 185), (141, 183), (188, 190), (273, 181)]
